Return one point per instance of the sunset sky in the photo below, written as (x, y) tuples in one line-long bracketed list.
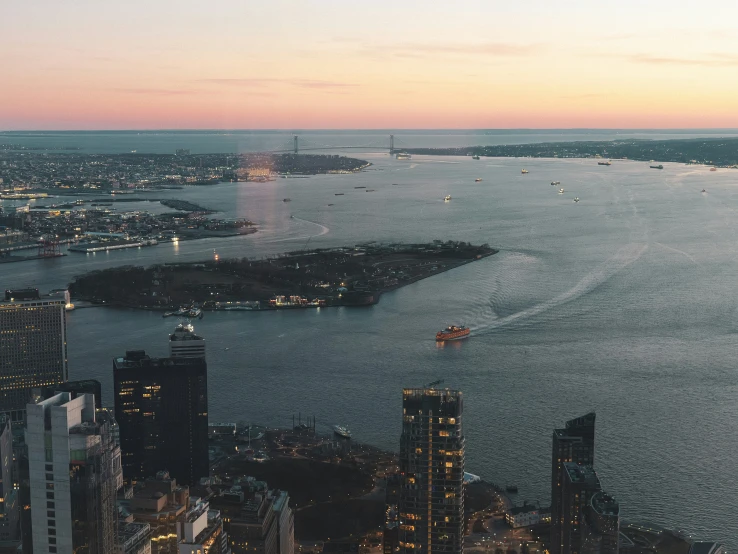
[(300, 64)]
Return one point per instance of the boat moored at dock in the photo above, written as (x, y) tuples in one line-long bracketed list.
[(342, 431)]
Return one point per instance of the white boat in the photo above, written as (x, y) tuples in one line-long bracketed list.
[(342, 431), (576, 199), (524, 171), (561, 191), (447, 198)]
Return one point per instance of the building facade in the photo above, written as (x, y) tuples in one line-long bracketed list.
[(161, 406), (9, 495), (431, 509), (33, 347), (133, 537), (575, 443), (523, 516), (75, 472)]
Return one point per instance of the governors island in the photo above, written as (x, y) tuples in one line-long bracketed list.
[(346, 276)]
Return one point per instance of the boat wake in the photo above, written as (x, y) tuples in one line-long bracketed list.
[(606, 270), (323, 229)]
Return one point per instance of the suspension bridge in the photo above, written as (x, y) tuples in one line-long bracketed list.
[(296, 145)]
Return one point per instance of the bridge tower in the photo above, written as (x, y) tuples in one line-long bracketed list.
[(392, 144), (295, 141)]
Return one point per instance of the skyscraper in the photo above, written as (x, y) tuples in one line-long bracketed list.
[(578, 486), (9, 501), (574, 443), (432, 466), (603, 525), (161, 406), (33, 347), (184, 343), (75, 471)]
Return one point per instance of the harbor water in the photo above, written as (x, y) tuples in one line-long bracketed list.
[(625, 303)]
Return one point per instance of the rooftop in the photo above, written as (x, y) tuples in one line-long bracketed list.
[(605, 505)]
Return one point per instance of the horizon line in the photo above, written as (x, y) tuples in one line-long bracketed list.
[(365, 129)]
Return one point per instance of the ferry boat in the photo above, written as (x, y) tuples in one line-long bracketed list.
[(524, 171), (477, 180), (604, 163), (447, 198), (403, 156), (453, 332), (657, 166), (342, 431)]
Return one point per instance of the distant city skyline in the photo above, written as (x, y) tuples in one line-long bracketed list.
[(318, 65)]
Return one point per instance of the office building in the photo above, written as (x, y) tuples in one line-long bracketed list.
[(578, 486), (9, 495), (184, 343), (33, 347), (432, 466), (161, 406), (75, 472), (161, 503), (574, 443), (257, 520), (86, 386), (133, 537), (201, 530)]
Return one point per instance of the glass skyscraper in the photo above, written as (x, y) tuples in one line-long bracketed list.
[(432, 469)]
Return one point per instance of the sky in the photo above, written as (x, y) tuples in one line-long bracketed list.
[(332, 64)]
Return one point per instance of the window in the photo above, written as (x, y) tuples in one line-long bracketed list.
[(50, 495), (52, 540), (50, 505), (52, 532), (51, 523), (52, 549), (51, 513), (49, 476), (49, 467)]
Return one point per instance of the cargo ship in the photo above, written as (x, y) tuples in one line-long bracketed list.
[(453, 332)]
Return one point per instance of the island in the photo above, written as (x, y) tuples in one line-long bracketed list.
[(346, 276), (719, 152)]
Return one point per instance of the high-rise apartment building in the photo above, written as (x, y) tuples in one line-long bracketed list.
[(75, 472), (574, 443), (432, 467), (161, 406), (33, 347), (590, 516), (184, 343)]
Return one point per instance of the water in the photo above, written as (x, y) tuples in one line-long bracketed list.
[(624, 303)]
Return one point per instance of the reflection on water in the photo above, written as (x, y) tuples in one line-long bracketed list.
[(448, 344), (624, 304)]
